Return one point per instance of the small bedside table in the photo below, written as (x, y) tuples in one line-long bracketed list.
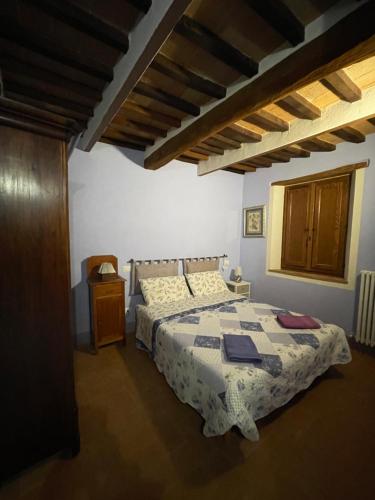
[(243, 287), (107, 304)]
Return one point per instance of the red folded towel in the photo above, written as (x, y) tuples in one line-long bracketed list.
[(298, 322)]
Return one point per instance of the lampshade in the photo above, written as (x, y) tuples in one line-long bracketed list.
[(106, 268), (238, 271)]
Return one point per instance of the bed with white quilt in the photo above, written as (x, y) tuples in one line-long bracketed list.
[(185, 339)]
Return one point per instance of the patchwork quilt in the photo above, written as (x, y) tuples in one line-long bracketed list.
[(185, 340)]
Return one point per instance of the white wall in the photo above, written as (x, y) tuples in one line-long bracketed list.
[(117, 207)]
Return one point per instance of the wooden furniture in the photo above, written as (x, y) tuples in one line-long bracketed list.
[(38, 407), (242, 287), (315, 226), (107, 303)]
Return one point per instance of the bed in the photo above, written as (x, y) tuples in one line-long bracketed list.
[(185, 339)]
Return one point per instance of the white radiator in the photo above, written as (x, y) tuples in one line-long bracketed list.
[(366, 309)]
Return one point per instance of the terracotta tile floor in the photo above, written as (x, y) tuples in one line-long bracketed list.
[(139, 442)]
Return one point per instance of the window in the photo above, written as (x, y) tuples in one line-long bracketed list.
[(315, 226)]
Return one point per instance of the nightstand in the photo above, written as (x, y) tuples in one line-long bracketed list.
[(242, 288), (107, 303)]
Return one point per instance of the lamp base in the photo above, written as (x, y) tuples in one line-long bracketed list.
[(238, 279)]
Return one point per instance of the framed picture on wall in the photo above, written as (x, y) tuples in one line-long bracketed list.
[(254, 221)]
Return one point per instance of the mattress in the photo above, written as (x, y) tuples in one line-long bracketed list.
[(185, 339)]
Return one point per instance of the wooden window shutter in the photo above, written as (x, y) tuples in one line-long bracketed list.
[(315, 226)]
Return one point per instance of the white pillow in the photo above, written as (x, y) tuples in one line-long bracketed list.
[(207, 283), (164, 289)]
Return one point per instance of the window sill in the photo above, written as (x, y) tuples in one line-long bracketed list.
[(311, 277)]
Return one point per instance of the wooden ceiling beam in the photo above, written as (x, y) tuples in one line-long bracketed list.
[(122, 144), (52, 108), (241, 134), (304, 133), (129, 137), (349, 134), (83, 20), (142, 129), (187, 159), (214, 149), (327, 52), (277, 157), (211, 43), (131, 109), (38, 42), (170, 100), (195, 155), (299, 106), (295, 152), (234, 171), (341, 85), (211, 141), (268, 121), (243, 167), (12, 86), (258, 161), (201, 149), (147, 37), (230, 143), (281, 18), (169, 68), (315, 144)]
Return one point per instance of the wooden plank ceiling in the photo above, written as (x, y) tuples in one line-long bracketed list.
[(204, 56), (203, 59), (57, 57)]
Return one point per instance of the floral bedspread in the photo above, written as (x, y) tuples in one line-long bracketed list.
[(185, 340)]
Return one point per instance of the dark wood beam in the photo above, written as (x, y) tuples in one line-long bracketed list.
[(372, 121), (259, 162), (128, 136), (66, 54), (241, 134), (228, 142), (325, 54), (138, 128), (148, 115), (243, 167), (211, 43), (141, 5), (268, 121), (201, 149), (299, 106), (170, 100), (187, 159), (169, 68), (276, 156), (295, 152), (20, 67), (209, 147), (33, 119), (211, 141), (349, 134), (195, 155), (234, 171), (281, 18), (147, 37), (122, 144), (317, 144), (341, 85), (83, 20), (38, 95), (52, 108)]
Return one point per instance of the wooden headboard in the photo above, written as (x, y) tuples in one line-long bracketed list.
[(93, 264)]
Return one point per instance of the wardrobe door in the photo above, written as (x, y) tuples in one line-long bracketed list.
[(295, 250), (330, 225), (38, 411)]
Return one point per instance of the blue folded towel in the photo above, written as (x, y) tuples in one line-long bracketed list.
[(240, 348)]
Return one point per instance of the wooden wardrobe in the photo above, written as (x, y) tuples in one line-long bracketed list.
[(38, 412)]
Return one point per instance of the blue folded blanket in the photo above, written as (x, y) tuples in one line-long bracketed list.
[(240, 348)]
